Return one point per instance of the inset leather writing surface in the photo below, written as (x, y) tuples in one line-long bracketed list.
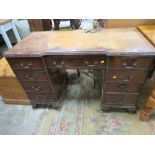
[(106, 41)]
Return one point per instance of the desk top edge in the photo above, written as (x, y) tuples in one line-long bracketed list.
[(86, 51)]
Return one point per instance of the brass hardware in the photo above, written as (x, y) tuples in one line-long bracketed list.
[(123, 87), (91, 65), (26, 67), (128, 79), (36, 88), (129, 64), (59, 64), (114, 77), (102, 61), (30, 76)]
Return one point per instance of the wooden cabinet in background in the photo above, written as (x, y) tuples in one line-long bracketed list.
[(40, 24)]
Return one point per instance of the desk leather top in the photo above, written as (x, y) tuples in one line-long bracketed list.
[(149, 32), (116, 41)]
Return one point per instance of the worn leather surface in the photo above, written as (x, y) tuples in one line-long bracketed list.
[(110, 41)]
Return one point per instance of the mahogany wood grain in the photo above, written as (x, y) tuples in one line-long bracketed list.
[(121, 55)]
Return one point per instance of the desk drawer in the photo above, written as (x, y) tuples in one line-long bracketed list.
[(122, 87), (26, 63), (130, 62), (76, 62), (41, 96), (120, 99), (36, 86), (31, 75), (125, 76)]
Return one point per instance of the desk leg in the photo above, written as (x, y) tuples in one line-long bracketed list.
[(149, 105), (15, 31), (6, 39)]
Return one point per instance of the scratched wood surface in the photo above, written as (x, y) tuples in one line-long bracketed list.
[(105, 41)]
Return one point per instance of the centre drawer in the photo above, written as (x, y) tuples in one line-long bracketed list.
[(36, 86), (75, 61), (130, 62), (31, 75), (41, 96), (125, 76), (26, 63), (122, 87), (120, 99)]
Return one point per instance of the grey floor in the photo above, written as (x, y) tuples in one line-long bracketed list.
[(20, 120)]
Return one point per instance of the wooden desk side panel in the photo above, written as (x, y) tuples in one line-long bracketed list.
[(10, 89)]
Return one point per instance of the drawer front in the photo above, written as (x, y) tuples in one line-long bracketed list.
[(36, 102), (36, 86), (125, 76), (122, 87), (76, 62), (31, 75), (120, 99), (41, 96), (130, 62), (26, 63)]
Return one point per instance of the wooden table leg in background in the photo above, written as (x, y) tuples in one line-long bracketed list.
[(149, 105)]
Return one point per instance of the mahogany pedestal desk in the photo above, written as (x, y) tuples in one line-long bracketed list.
[(123, 56), (149, 33)]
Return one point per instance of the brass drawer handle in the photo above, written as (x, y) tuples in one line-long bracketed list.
[(123, 87), (26, 67), (129, 65), (91, 65), (128, 79), (36, 88), (30, 77), (61, 64)]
